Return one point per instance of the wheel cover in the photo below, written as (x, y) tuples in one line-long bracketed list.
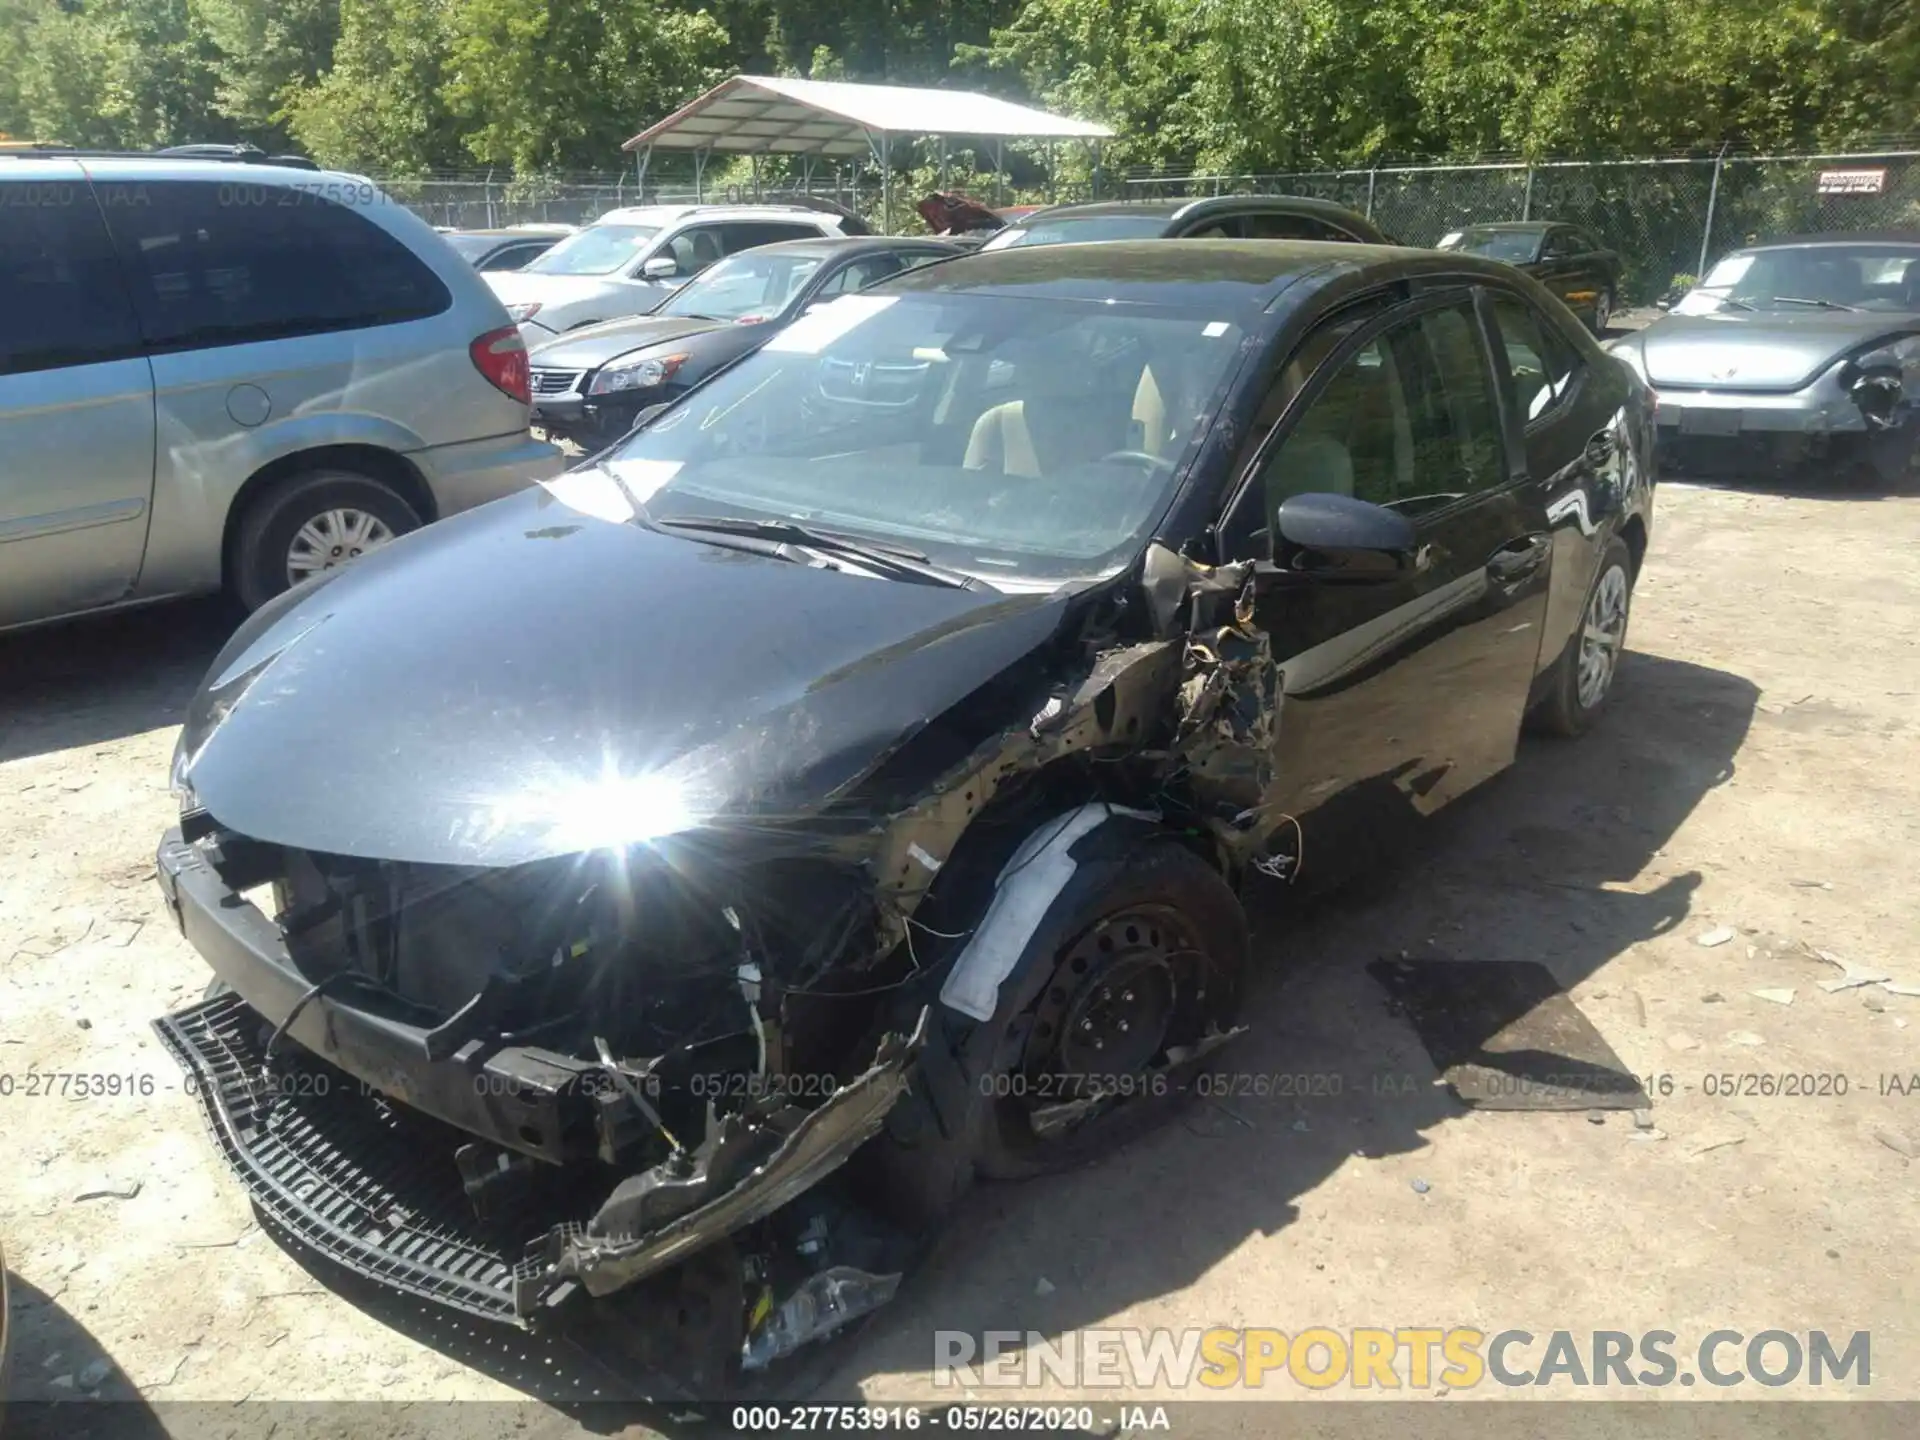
[(1603, 632), (333, 538), (1602, 311)]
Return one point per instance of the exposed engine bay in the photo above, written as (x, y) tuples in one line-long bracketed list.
[(660, 1069)]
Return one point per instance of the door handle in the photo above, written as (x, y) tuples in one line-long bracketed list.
[(1518, 559)]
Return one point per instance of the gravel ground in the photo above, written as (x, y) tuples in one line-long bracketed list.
[(1757, 772)]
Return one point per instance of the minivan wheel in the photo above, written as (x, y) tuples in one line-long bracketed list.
[(312, 523), (1602, 313), (1583, 676)]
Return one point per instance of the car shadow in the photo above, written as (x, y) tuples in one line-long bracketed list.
[(1514, 872), (56, 1389), (91, 680)]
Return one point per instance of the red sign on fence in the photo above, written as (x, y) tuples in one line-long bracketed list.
[(1853, 182)]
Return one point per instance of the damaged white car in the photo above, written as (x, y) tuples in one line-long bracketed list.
[(652, 899)]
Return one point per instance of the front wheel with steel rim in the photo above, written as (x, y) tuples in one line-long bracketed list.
[(1148, 983), (310, 524), (1585, 673)]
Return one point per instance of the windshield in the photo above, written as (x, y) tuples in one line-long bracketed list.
[(1079, 231), (1799, 277), (597, 250), (752, 286), (1516, 247), (1008, 438)]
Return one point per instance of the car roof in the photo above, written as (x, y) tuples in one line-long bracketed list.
[(1190, 206), (833, 247), (1213, 276), (224, 172), (1518, 227), (502, 233), (670, 214), (1836, 237)]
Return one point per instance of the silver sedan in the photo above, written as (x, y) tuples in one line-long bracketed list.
[(1801, 351)]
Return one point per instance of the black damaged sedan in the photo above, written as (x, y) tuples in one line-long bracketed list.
[(649, 901)]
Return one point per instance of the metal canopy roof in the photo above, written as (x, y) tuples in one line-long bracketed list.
[(767, 115)]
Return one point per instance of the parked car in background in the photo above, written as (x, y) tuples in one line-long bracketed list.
[(233, 375), (1218, 217), (1147, 566), (589, 385), (507, 249), (1567, 259), (628, 261), (1803, 349)]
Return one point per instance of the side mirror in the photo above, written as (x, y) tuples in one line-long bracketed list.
[(1336, 537), (660, 267)]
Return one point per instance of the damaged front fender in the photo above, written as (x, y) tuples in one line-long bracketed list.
[(819, 1142)]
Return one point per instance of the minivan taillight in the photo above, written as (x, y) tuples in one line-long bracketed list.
[(501, 356)]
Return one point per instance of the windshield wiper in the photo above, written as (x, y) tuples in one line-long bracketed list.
[(889, 559), (1802, 300)]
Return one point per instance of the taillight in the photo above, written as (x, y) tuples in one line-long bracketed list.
[(501, 356)]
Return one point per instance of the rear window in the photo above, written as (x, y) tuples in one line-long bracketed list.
[(226, 264), (62, 300)]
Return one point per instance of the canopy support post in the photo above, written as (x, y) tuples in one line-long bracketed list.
[(700, 159), (642, 158), (999, 165), (885, 149), (940, 143), (754, 160), (1053, 171)]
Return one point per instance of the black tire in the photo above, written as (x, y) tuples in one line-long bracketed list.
[(276, 517), (1602, 313), (982, 1122), (1562, 710)]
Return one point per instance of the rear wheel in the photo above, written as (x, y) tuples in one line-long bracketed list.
[(1584, 674), (311, 523), (1602, 312)]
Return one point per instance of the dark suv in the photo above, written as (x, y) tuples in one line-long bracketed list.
[(1218, 217)]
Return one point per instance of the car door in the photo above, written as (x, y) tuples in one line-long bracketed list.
[(76, 403), (1560, 269), (1570, 418), (1395, 695)]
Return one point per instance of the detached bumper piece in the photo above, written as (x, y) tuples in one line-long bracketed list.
[(370, 1186)]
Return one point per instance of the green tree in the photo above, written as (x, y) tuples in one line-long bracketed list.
[(382, 106), (558, 84), (265, 52)]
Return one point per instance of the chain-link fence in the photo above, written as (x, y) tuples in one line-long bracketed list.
[(1664, 217), (486, 202)]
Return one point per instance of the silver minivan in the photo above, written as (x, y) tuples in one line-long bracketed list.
[(233, 375)]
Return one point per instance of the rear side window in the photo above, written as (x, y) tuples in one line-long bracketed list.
[(749, 234), (62, 299), (1290, 227), (225, 264), (1539, 363)]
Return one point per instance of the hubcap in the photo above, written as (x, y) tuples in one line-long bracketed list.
[(1603, 632), (333, 537), (1602, 313)]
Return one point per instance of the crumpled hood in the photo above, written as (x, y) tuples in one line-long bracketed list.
[(593, 345), (1738, 350), (523, 680)]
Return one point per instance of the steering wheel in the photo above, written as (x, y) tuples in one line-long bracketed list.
[(1136, 457)]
